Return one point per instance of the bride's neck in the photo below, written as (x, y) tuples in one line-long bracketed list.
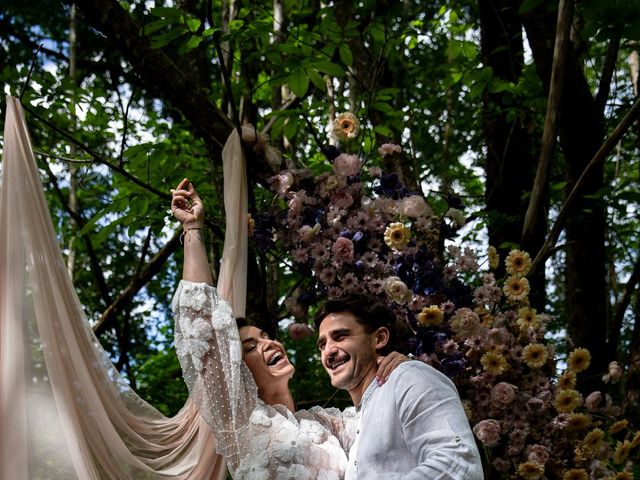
[(278, 397)]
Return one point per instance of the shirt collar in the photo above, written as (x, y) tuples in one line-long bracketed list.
[(373, 386)]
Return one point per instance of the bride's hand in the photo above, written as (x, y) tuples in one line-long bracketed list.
[(387, 364), (187, 206)]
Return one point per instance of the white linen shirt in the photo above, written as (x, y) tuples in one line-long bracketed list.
[(414, 427)]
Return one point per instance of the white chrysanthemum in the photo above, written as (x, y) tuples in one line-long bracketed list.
[(258, 417), (194, 297), (316, 433), (294, 472), (290, 445), (193, 342)]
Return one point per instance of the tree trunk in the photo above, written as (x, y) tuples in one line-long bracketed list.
[(581, 131), (511, 158)]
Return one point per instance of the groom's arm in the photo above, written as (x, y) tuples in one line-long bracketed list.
[(435, 427)]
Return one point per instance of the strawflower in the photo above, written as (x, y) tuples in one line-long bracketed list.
[(530, 470), (618, 426), (516, 289), (535, 355), (518, 263), (494, 363), (576, 474), (567, 401), (621, 452), (346, 126), (397, 235), (579, 360), (430, 316), (567, 380), (494, 258)]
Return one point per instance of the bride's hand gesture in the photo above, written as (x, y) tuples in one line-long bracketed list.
[(187, 206)]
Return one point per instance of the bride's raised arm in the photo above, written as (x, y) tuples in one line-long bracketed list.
[(206, 336)]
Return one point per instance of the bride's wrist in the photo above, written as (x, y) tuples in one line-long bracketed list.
[(190, 229)]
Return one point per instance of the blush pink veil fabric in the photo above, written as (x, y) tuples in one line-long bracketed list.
[(65, 412)]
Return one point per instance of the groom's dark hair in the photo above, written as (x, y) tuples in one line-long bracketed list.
[(367, 310)]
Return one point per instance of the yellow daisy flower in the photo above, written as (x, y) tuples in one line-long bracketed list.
[(530, 470), (516, 289), (579, 360), (593, 440), (535, 355), (578, 421), (567, 401), (396, 235), (618, 426), (567, 380), (518, 263), (624, 476), (527, 318), (575, 474), (430, 316), (636, 440), (621, 452), (494, 363), (494, 258), (346, 126)]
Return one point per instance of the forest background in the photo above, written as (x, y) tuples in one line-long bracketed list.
[(525, 112)]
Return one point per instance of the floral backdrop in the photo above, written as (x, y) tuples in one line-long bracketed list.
[(357, 229)]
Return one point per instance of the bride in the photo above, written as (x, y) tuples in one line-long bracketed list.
[(239, 378)]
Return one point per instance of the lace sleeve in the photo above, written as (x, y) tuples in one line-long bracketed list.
[(341, 423), (210, 353)]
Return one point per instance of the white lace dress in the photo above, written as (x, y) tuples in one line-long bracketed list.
[(259, 441)]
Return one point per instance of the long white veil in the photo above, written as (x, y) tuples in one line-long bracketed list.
[(65, 412)]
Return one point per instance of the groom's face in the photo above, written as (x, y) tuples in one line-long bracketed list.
[(348, 352)]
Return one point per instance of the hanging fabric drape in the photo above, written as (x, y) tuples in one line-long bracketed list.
[(65, 412)]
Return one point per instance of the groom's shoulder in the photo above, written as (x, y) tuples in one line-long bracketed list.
[(418, 372)]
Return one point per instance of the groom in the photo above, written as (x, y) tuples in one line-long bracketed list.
[(414, 427)]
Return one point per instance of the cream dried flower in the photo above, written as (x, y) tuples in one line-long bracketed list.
[(346, 126)]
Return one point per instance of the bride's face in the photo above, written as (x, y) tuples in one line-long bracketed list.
[(265, 358)]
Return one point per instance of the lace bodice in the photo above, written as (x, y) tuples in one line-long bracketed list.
[(259, 441)]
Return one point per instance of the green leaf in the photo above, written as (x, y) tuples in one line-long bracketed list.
[(345, 54), (193, 24), (174, 14), (383, 130), (291, 128), (317, 79), (190, 44), (154, 26), (330, 68), (299, 83)]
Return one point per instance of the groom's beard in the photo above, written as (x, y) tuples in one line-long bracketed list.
[(346, 371)]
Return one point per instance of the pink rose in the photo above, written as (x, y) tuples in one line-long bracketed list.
[(538, 454), (346, 165), (413, 206), (341, 199), (343, 250), (615, 373), (306, 233), (488, 432), (296, 202), (281, 183), (593, 400), (389, 149), (503, 394), (298, 331)]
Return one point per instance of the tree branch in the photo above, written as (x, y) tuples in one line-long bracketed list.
[(137, 282), (624, 303), (541, 182), (158, 71), (606, 148)]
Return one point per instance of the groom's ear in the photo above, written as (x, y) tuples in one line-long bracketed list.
[(382, 336)]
